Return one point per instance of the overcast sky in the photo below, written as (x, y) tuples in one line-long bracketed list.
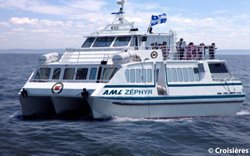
[(63, 23)]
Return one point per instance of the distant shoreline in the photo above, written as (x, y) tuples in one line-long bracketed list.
[(30, 51), (60, 51)]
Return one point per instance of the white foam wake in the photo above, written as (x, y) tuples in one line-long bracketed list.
[(243, 112), (17, 113), (127, 119)]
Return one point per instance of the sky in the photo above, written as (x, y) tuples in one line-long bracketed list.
[(49, 24)]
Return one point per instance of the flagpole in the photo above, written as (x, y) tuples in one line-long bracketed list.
[(150, 27)]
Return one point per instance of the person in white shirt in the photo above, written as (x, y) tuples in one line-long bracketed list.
[(180, 48)]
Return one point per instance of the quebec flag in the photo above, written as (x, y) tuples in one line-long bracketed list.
[(158, 19)]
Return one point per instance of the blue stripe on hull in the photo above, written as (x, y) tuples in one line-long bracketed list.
[(175, 85), (176, 97), (129, 86), (204, 85), (180, 103)]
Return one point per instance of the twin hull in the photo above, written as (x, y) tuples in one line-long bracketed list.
[(49, 105), (148, 106)]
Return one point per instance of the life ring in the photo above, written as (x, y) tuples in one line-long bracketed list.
[(154, 54), (57, 88)]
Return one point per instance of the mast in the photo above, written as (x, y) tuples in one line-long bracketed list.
[(120, 13), (119, 24)]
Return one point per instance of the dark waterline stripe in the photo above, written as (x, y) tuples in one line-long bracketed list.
[(182, 103)]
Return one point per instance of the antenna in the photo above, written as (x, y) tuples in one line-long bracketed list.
[(119, 23), (121, 2), (119, 15)]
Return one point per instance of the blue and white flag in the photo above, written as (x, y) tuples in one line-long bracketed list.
[(158, 19)]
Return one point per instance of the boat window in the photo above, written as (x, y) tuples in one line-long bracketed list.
[(174, 74), (92, 75), (196, 74), (127, 74), (42, 73), (122, 41), (217, 68), (201, 67), (149, 75), (88, 42), (185, 74), (132, 76), (169, 75), (113, 73), (191, 74), (143, 75), (69, 73), (108, 73), (179, 75), (103, 41), (56, 73), (138, 75), (81, 73), (134, 39)]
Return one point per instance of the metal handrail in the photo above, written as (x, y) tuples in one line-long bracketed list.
[(194, 52)]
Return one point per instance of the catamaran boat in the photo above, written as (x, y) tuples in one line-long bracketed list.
[(120, 72)]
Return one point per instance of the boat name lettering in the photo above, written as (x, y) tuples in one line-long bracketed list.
[(129, 92), (138, 92), (113, 92)]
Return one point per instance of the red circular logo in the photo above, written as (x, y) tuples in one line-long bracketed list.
[(57, 88)]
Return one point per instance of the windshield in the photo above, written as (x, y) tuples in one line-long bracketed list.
[(103, 42), (88, 42), (122, 41), (43, 73), (218, 68)]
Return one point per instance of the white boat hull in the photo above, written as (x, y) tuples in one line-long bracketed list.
[(37, 106), (106, 108)]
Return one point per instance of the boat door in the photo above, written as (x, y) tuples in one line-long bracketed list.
[(160, 78), (154, 106)]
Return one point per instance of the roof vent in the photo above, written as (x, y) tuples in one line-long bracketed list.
[(134, 29)]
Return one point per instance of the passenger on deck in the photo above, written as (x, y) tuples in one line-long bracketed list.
[(211, 50), (201, 51), (189, 51), (154, 45), (194, 52), (150, 30), (180, 48), (165, 51)]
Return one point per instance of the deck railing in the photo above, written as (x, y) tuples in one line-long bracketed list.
[(193, 52)]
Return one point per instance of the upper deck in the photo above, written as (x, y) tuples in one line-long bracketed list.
[(121, 40), (138, 47)]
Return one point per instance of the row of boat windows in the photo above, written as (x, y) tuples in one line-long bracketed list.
[(138, 75), (107, 41), (75, 74), (173, 75), (183, 74)]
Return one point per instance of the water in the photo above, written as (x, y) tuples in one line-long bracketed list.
[(120, 136)]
